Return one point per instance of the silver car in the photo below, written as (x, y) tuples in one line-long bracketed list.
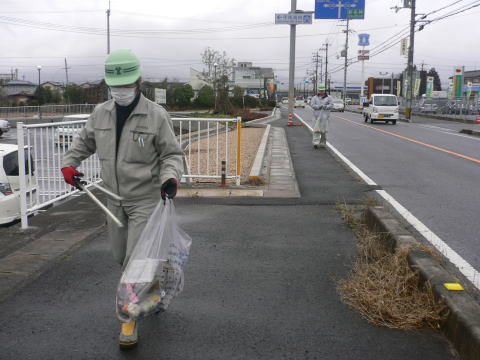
[(338, 105)]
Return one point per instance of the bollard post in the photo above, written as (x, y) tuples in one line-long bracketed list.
[(224, 174)]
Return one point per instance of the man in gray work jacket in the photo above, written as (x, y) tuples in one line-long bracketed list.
[(140, 157), (321, 105)]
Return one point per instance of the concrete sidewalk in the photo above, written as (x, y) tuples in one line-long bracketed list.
[(260, 284)]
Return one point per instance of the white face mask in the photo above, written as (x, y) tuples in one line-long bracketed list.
[(123, 96)]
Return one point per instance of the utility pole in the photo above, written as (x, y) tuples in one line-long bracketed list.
[(108, 28), (291, 74), (423, 64), (315, 75), (362, 85), (327, 83), (408, 109), (66, 83), (321, 70), (391, 84), (346, 63), (66, 72)]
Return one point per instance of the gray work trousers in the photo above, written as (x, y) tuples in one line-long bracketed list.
[(134, 217), (320, 127)]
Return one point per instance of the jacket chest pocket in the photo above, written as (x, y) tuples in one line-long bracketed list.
[(105, 142), (139, 147)]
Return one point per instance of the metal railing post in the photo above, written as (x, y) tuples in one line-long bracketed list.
[(239, 149), (22, 175)]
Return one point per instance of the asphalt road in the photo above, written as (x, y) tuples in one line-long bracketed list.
[(427, 166), (259, 284)]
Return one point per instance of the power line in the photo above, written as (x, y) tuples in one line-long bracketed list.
[(455, 12), (447, 6)]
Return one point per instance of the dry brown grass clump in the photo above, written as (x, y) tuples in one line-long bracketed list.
[(255, 181), (382, 286)]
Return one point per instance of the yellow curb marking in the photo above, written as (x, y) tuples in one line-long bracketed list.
[(453, 286)]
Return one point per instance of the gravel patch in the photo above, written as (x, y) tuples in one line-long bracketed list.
[(202, 156)]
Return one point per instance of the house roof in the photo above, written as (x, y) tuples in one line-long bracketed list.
[(471, 74), (20, 83), (53, 83)]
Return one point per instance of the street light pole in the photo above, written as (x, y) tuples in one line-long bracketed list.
[(39, 68), (215, 83), (108, 28)]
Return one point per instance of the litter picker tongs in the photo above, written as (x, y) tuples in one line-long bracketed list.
[(81, 185)]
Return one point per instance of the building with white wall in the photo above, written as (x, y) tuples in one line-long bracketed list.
[(255, 80)]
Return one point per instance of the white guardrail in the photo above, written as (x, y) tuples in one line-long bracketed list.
[(205, 143), (12, 112)]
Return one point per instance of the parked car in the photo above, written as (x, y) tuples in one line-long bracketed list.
[(430, 105), (381, 107), (64, 134), (300, 102), (10, 183), (4, 126), (338, 105)]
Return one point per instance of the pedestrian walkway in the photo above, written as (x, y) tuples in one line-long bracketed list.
[(260, 284), (281, 174)]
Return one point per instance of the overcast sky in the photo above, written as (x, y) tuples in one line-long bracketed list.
[(168, 37)]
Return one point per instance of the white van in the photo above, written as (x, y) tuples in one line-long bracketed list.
[(299, 102), (10, 183), (381, 107)]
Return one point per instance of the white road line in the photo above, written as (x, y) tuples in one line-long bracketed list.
[(446, 131), (464, 267)]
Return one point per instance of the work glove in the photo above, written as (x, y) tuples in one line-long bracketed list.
[(68, 175), (169, 188)]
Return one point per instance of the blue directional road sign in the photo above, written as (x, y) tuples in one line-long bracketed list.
[(363, 39), (339, 9)]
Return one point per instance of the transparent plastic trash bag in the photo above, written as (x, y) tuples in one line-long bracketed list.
[(154, 273)]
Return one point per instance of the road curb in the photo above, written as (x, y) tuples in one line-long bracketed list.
[(275, 115), (223, 192), (258, 162), (23, 266), (470, 132), (55, 234), (462, 326)]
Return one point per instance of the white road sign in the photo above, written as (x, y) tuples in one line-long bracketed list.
[(160, 96), (293, 19)]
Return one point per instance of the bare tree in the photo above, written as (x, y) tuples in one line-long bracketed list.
[(217, 64)]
